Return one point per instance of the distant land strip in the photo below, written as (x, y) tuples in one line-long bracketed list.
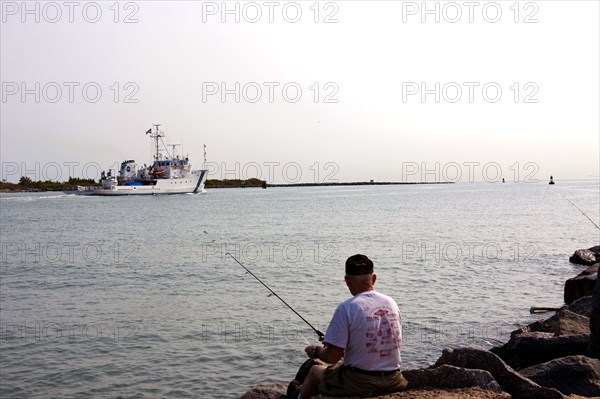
[(253, 183), (356, 183), (25, 184)]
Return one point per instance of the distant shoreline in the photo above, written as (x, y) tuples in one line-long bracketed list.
[(210, 184), (259, 184), (356, 183)]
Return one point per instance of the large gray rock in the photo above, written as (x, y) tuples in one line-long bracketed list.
[(270, 391), (594, 345), (577, 375), (581, 285), (531, 348), (591, 269), (582, 306), (449, 377), (570, 323), (564, 322), (510, 381), (563, 334), (586, 256)]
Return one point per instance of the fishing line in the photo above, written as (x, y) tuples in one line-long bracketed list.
[(582, 212), (319, 333), (303, 337), (305, 340)]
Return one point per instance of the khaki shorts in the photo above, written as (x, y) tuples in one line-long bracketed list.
[(342, 381)]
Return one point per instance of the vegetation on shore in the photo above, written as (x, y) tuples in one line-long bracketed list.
[(26, 184), (215, 183)]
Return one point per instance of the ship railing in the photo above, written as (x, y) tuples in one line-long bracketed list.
[(88, 188)]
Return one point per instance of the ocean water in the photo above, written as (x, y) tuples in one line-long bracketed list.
[(136, 297)]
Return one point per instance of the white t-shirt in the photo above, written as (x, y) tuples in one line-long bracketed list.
[(369, 327)]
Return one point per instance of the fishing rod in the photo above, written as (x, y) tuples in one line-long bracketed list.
[(319, 333), (582, 212)]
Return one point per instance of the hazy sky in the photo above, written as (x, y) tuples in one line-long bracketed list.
[(305, 91)]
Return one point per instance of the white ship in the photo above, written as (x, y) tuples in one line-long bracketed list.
[(169, 174)]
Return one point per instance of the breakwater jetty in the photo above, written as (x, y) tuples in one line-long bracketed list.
[(356, 183)]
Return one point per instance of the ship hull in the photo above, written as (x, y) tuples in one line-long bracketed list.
[(193, 183)]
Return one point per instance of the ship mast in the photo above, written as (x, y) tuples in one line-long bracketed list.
[(156, 137)]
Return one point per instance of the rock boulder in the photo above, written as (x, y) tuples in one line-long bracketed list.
[(586, 256), (449, 377), (582, 306), (266, 391), (564, 322), (581, 285), (594, 346), (510, 381), (531, 348), (577, 375)]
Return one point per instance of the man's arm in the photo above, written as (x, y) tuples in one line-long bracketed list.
[(329, 353)]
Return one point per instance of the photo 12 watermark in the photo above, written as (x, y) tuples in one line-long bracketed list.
[(452, 12), (54, 252), (469, 92), (252, 12), (65, 332), (294, 332), (52, 171), (453, 333), (69, 92), (272, 172), (271, 252), (473, 252), (469, 171), (269, 92), (254, 332), (54, 12)]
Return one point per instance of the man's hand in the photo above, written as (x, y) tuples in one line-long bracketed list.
[(310, 350), (329, 353)]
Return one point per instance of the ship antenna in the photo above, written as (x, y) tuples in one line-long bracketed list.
[(173, 146), (204, 166)]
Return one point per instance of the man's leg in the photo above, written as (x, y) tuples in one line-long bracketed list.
[(310, 387)]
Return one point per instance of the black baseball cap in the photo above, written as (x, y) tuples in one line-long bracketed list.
[(358, 264)]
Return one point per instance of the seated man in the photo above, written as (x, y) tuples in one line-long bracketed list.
[(366, 330)]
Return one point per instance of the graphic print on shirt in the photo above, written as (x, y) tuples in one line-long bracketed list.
[(383, 332)]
